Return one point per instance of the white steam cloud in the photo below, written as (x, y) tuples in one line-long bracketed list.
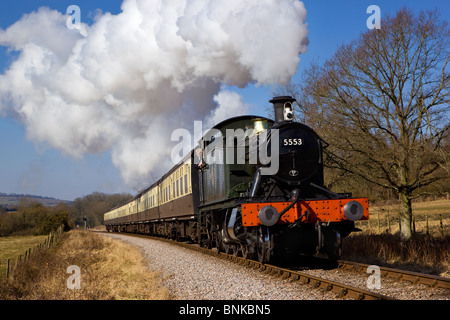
[(128, 80)]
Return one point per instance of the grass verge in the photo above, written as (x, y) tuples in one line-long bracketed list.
[(109, 269), (428, 251), (422, 253)]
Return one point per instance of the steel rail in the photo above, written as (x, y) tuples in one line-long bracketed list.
[(399, 275)]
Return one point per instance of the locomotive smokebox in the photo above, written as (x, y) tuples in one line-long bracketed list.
[(283, 108)]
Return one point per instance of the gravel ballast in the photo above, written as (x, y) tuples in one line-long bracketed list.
[(192, 275), (189, 274)]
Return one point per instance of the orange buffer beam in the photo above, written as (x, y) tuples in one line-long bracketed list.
[(321, 210)]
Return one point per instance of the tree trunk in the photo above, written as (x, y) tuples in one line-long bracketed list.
[(405, 216)]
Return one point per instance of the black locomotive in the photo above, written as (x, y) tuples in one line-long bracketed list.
[(252, 187)]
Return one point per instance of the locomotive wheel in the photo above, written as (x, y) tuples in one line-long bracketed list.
[(245, 251), (219, 239), (263, 245), (228, 249), (235, 250)]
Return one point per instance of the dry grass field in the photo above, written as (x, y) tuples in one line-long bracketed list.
[(109, 269), (12, 247), (384, 217), (379, 242)]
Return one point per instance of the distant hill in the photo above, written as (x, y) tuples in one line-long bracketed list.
[(12, 200)]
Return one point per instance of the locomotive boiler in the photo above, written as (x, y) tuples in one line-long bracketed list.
[(252, 187)]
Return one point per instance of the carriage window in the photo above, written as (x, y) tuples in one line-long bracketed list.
[(181, 185), (185, 184)]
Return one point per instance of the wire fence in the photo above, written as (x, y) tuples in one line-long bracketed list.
[(389, 222), (52, 239)]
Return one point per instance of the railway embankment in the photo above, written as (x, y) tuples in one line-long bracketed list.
[(84, 266)]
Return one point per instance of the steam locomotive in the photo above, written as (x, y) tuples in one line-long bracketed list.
[(252, 187)]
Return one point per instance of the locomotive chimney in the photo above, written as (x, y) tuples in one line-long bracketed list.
[(283, 108)]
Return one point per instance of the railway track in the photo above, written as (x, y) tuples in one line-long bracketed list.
[(340, 289), (399, 275)]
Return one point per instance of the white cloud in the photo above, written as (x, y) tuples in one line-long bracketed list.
[(229, 104), (127, 81)]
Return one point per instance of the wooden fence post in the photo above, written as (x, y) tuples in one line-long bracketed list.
[(48, 243), (389, 222), (7, 269), (379, 225)]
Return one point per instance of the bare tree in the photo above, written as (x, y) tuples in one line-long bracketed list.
[(382, 103)]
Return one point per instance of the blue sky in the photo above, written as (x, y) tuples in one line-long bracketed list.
[(27, 167)]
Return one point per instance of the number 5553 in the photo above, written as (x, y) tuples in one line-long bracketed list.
[(292, 142)]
